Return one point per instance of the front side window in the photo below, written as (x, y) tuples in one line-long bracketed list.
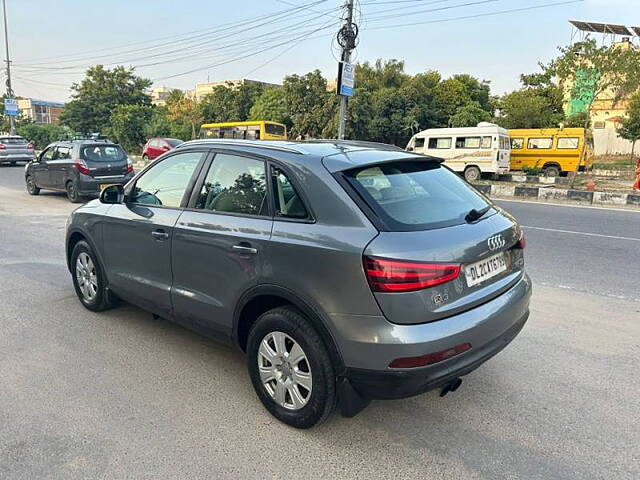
[(63, 153), (287, 201), (166, 182), (418, 143), (415, 195), (568, 143), (48, 154), (540, 143), (235, 184), (517, 143), (440, 143), (467, 142)]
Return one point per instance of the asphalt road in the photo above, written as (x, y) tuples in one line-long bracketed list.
[(120, 395)]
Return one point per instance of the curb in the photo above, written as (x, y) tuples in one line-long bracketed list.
[(509, 177), (561, 194)]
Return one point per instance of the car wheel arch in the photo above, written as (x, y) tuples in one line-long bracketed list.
[(73, 237), (262, 298)]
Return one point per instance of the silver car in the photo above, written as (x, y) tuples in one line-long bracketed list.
[(14, 149), (347, 271)]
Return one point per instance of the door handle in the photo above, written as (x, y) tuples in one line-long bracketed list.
[(160, 235), (245, 248)]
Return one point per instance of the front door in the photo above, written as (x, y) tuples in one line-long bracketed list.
[(40, 169), (220, 245), (137, 235)]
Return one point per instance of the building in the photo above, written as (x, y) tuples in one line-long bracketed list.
[(606, 109), (204, 89), (40, 111), (159, 95)]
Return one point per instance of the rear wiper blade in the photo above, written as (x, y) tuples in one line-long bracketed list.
[(474, 214)]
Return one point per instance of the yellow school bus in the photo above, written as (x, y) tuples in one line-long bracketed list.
[(252, 130), (554, 150)]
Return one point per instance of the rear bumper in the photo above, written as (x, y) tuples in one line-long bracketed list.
[(91, 186), (16, 158), (369, 344)]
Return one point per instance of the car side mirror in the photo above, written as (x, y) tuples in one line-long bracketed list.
[(112, 194)]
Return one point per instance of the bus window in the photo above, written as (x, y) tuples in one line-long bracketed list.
[(440, 143), (540, 143), (253, 132), (517, 143), (568, 142), (418, 143), (273, 129), (504, 143), (486, 142), (467, 142)]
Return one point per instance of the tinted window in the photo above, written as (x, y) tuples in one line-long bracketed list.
[(441, 143), (416, 195), (571, 142), (287, 201), (166, 182), (103, 153), (273, 129), (13, 141), (517, 143), (418, 143), (235, 184), (467, 142), (535, 143)]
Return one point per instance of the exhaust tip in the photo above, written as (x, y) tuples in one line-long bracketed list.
[(452, 386)]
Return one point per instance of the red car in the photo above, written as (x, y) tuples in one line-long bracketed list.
[(157, 146)]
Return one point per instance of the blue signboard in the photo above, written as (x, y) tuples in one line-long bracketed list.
[(347, 79), (11, 107)]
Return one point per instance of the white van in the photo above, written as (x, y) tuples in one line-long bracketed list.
[(472, 150)]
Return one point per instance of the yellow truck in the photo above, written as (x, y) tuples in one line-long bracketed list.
[(556, 151)]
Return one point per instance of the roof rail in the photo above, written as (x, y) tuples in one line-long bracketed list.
[(268, 144), (356, 143)]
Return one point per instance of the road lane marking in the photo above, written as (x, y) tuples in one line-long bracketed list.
[(583, 233)]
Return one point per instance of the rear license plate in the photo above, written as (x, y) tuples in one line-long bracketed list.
[(485, 269)]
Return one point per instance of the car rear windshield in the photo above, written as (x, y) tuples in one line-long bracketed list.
[(416, 195), (174, 142), (13, 141), (103, 153)]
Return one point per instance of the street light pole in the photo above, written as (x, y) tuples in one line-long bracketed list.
[(346, 37), (6, 45)]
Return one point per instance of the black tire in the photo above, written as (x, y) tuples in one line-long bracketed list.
[(32, 188), (551, 171), (322, 398), (102, 300), (472, 174), (72, 192)]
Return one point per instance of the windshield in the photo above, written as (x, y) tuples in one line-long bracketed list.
[(13, 141), (103, 153), (416, 195)]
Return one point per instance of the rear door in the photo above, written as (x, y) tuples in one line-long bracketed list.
[(434, 257), (40, 169), (104, 160), (60, 166), (220, 244), (137, 235)]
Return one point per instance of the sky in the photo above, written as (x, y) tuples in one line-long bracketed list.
[(177, 44)]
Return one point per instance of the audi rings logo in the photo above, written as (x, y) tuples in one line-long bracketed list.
[(495, 242)]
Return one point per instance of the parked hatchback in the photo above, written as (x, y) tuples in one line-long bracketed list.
[(157, 146), (81, 168), (14, 149), (346, 271)]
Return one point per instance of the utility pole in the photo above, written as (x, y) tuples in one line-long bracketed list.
[(347, 40), (6, 45)]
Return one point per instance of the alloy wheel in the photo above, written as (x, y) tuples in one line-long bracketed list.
[(86, 276), (284, 370)]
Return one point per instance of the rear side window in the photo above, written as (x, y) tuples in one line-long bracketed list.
[(467, 142), (415, 195), (287, 201), (273, 129), (103, 153), (440, 143), (568, 143), (540, 143)]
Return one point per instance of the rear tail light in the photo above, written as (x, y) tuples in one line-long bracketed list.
[(129, 166), (521, 243), (430, 358), (386, 275), (81, 166), (2, 146), (30, 146)]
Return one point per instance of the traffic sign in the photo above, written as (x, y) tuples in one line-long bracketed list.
[(11, 107), (346, 79)]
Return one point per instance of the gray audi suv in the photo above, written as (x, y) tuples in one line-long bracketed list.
[(347, 271)]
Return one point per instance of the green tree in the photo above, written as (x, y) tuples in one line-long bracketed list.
[(96, 97), (230, 103), (159, 124), (270, 105), (127, 126), (184, 114), (630, 124), (578, 120), (41, 135), (587, 71), (529, 108), (309, 104), (469, 115)]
